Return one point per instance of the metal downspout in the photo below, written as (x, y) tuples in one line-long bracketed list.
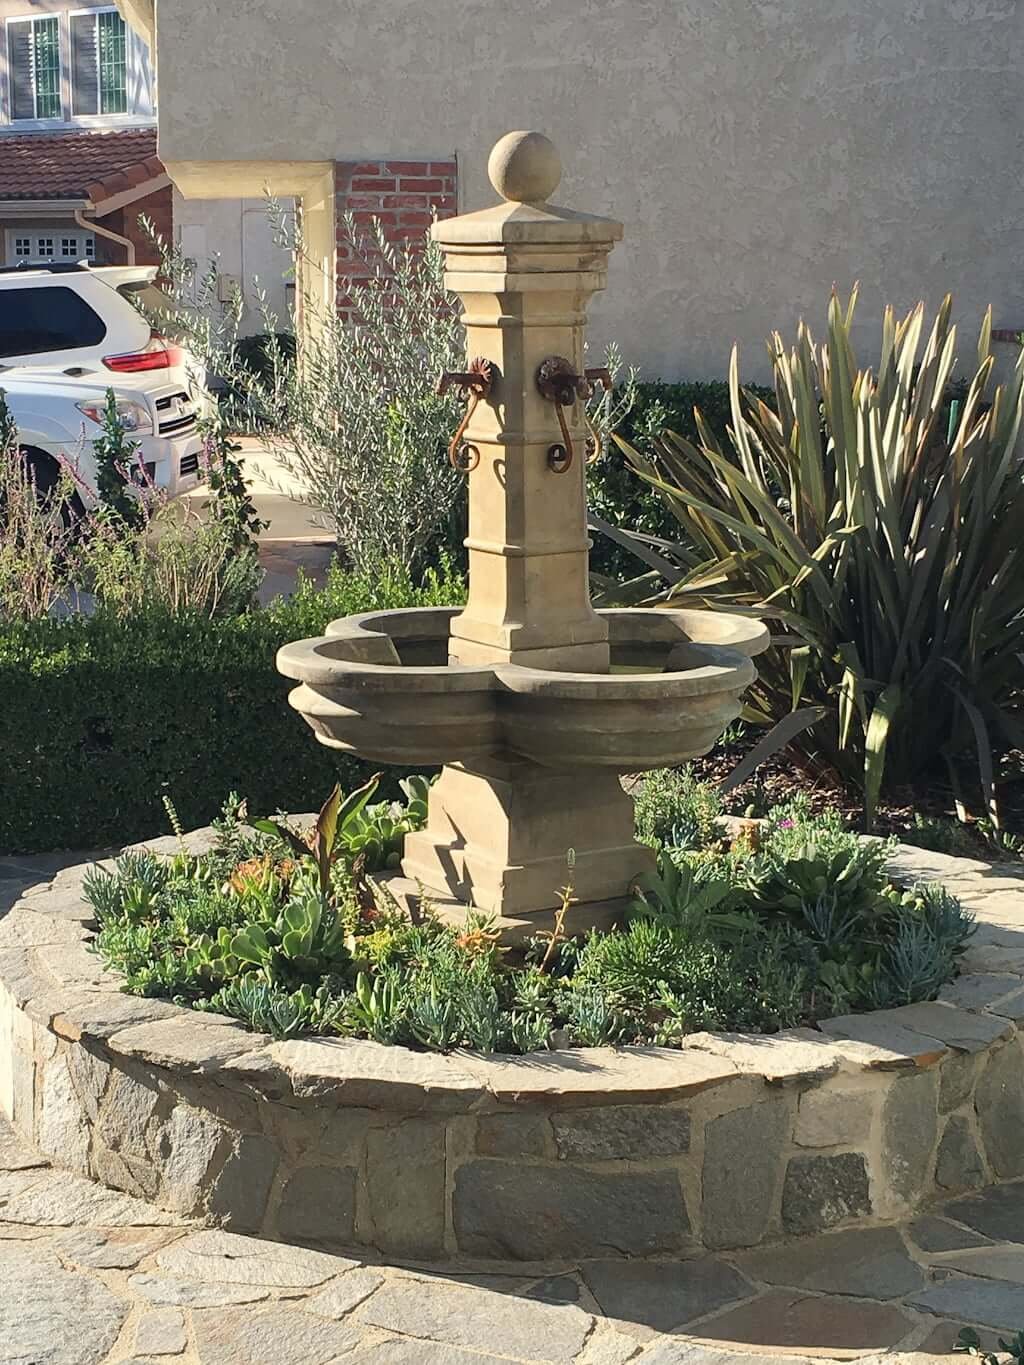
[(108, 233)]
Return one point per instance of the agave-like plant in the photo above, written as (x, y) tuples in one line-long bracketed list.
[(880, 526)]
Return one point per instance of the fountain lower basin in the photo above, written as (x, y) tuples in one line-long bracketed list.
[(380, 685)]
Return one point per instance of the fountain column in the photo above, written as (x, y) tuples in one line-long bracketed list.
[(499, 832), (525, 271)]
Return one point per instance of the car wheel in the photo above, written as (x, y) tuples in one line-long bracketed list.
[(45, 474)]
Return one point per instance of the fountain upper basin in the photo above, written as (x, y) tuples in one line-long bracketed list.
[(380, 685)]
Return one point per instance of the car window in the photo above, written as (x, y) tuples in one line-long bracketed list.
[(53, 319)]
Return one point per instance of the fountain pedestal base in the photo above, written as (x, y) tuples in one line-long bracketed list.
[(499, 839)]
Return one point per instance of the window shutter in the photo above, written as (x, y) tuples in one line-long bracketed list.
[(19, 67), (113, 63), (85, 85)]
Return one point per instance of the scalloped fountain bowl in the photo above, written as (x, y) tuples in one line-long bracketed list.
[(380, 685)]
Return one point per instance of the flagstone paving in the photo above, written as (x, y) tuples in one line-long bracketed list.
[(92, 1277)]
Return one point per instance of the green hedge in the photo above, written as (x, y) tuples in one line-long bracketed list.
[(101, 718)]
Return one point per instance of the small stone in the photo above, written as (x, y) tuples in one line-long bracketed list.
[(53, 1316), (793, 1319), (833, 1118), (58, 1199), (821, 1191), (161, 1333), (345, 1293), (125, 1115), (624, 1133), (737, 1212), (988, 1302), (232, 1259), (957, 1076), (664, 1295), (371, 1075), (672, 1351), (188, 1042), (240, 1192), (100, 1015), (555, 1289), (959, 1165), (608, 1346), (341, 1140), (405, 1179), (538, 1213), (880, 1044), (478, 1320), (167, 1289), (795, 1056), (255, 1336), (999, 1100), (1010, 1007), (979, 990), (90, 1075), (14, 1154), (61, 1129), (909, 1129), (108, 1249), (991, 1263), (513, 1135), (955, 1027), (938, 1234), (997, 1212), (319, 1205), (871, 1263), (405, 1351), (942, 1341), (588, 1076), (186, 1145)]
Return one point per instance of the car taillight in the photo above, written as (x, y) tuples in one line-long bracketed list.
[(157, 354)]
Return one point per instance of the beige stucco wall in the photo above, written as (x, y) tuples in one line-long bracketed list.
[(757, 150)]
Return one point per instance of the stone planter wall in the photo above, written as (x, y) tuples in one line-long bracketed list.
[(729, 1142)]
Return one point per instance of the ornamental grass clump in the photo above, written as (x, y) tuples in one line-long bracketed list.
[(877, 523), (289, 931)]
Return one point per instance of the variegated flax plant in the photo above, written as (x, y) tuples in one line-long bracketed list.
[(881, 526)]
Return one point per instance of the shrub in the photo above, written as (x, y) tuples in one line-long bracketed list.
[(104, 716), (885, 546), (36, 539), (613, 490), (277, 928)]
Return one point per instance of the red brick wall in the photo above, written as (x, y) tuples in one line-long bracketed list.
[(158, 208), (404, 196)]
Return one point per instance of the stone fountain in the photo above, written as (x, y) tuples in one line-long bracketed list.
[(534, 702)]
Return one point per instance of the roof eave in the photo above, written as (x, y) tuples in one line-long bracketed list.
[(41, 208)]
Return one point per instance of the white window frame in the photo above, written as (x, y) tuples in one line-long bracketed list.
[(129, 68), (8, 96), (139, 78)]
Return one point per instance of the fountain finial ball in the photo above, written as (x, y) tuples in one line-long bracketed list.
[(525, 167)]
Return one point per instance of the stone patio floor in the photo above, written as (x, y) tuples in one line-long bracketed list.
[(89, 1276)]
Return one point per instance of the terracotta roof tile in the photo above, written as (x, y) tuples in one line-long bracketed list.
[(76, 165)]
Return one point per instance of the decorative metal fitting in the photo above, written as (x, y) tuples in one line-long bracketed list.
[(476, 384), (559, 383)]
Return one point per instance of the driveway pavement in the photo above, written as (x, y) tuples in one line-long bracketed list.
[(297, 537)]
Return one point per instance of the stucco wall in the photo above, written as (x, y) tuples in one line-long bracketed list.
[(757, 151)]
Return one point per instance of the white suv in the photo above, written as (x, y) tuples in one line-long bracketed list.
[(67, 335)]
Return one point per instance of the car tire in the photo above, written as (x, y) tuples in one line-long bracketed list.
[(45, 472)]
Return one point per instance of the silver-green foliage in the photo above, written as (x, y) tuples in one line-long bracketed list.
[(877, 524)]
